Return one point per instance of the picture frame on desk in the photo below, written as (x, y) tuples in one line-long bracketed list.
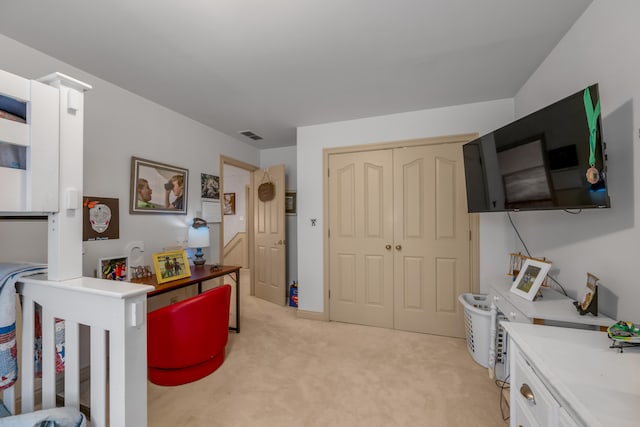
[(530, 278), (113, 268), (171, 265)]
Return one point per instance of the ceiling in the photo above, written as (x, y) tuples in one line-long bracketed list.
[(270, 66)]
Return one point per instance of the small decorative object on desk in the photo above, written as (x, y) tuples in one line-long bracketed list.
[(624, 334), (530, 278), (624, 331), (588, 303), (515, 265)]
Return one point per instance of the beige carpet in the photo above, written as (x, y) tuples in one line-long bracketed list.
[(285, 371)]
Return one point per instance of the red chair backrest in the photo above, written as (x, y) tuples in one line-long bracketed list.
[(189, 331)]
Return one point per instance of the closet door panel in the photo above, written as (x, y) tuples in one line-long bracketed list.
[(360, 229), (431, 225)]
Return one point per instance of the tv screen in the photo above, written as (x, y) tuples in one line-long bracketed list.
[(551, 159)]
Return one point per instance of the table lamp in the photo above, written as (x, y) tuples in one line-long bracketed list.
[(198, 239)]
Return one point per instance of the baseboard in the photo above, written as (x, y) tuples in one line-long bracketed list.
[(311, 315)]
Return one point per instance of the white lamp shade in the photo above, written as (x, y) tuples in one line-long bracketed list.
[(199, 237)]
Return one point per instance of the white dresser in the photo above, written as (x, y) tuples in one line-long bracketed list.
[(570, 377)]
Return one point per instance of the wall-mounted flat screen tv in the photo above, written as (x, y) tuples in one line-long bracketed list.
[(551, 159)]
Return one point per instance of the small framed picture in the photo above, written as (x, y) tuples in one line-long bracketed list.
[(530, 278), (210, 186), (290, 202), (171, 265), (114, 268), (229, 206)]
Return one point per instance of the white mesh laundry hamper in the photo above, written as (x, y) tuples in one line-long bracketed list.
[(477, 325)]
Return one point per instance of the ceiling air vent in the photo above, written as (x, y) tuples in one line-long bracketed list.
[(251, 135)]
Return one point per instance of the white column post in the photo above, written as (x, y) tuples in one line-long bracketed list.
[(65, 226)]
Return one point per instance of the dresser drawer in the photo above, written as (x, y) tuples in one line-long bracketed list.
[(531, 394), (523, 417), (508, 309)]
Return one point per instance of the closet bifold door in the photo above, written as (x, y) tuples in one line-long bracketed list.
[(361, 238), (431, 235)]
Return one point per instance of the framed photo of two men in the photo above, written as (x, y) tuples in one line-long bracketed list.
[(158, 187)]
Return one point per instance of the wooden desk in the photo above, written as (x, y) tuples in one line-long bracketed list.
[(198, 275)]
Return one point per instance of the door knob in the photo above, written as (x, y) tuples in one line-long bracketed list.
[(387, 247), (398, 247)]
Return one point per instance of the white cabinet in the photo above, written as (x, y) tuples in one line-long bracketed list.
[(570, 377)]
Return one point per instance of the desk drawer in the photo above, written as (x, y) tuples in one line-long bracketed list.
[(541, 404)]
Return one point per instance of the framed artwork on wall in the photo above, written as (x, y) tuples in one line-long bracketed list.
[(229, 206), (113, 268), (290, 205), (171, 265), (157, 188), (209, 186), (530, 278), (100, 218)]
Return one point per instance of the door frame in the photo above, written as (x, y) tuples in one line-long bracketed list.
[(224, 160), (474, 218)]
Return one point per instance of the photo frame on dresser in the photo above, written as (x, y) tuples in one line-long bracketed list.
[(530, 278)]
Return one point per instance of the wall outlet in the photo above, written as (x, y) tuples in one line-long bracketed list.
[(173, 300)]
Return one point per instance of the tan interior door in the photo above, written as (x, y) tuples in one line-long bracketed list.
[(431, 235), (269, 237), (361, 238)]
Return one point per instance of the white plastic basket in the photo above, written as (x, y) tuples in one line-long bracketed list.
[(477, 324)]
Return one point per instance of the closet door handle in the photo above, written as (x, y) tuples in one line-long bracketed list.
[(388, 247), (398, 247)]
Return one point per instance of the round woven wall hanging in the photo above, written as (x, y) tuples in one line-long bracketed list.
[(266, 190)]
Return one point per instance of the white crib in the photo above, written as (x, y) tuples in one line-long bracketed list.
[(114, 313)]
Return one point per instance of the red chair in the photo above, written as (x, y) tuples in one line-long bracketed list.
[(186, 340)]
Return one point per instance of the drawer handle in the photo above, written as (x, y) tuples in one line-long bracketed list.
[(526, 391)]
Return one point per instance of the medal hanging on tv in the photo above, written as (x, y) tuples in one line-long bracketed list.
[(593, 175)]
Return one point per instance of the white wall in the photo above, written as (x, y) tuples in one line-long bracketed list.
[(312, 140), (286, 156), (118, 125), (602, 47)]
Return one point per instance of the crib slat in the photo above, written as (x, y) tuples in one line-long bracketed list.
[(98, 377), (28, 334), (48, 360), (72, 364)]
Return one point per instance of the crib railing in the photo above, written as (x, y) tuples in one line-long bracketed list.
[(115, 314)]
